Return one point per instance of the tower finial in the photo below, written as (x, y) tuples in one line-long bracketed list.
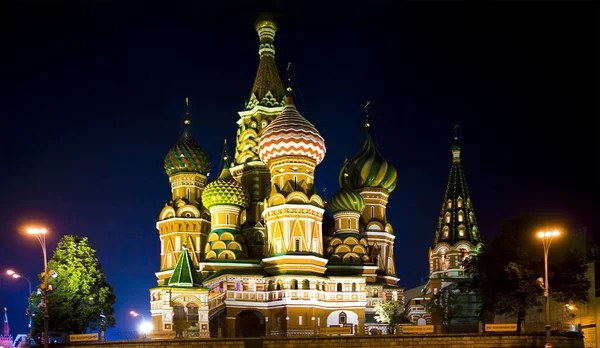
[(187, 120), (225, 154), (455, 146), (289, 100), (366, 107)]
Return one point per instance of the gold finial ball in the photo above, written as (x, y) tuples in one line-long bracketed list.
[(265, 19)]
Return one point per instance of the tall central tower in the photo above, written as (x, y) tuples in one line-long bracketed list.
[(266, 102)]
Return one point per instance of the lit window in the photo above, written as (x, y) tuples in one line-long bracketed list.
[(447, 218), (461, 216), (459, 202), (446, 231), (461, 230), (449, 204)]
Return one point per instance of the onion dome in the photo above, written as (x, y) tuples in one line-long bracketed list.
[(290, 134), (225, 191), (186, 155), (346, 200), (368, 168)]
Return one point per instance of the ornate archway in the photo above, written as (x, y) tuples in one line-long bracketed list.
[(250, 324)]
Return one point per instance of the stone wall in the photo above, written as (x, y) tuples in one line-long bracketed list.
[(484, 340)]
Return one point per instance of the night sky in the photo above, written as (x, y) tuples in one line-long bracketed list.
[(93, 98)]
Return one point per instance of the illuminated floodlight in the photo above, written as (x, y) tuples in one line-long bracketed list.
[(145, 327)]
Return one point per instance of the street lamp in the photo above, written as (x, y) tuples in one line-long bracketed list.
[(547, 237), (145, 326), (16, 275), (40, 234)]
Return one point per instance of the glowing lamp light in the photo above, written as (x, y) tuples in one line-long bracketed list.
[(134, 313), (10, 272), (36, 230), (145, 327), (548, 234)]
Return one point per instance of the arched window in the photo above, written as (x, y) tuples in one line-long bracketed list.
[(294, 284), (375, 293), (461, 216), (179, 313), (449, 204), (279, 284), (459, 202), (305, 284), (342, 318), (192, 313), (339, 287), (447, 218), (446, 231), (353, 287), (471, 217), (461, 230), (270, 285)]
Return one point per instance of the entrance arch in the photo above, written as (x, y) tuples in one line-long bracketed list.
[(250, 324)]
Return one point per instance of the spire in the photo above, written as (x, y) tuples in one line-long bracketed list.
[(267, 89), (184, 274), (455, 146), (6, 331), (457, 219)]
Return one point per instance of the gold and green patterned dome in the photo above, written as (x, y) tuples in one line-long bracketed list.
[(225, 191), (346, 200), (368, 169), (186, 156)]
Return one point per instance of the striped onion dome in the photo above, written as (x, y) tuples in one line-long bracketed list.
[(186, 156), (290, 134), (346, 200), (225, 191), (368, 169)]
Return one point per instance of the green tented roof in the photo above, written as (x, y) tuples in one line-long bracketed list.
[(185, 275)]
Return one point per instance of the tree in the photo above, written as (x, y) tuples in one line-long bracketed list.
[(505, 272), (79, 298), (391, 313), (444, 305)]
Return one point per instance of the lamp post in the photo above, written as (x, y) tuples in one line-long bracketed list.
[(16, 275), (40, 234), (547, 237)]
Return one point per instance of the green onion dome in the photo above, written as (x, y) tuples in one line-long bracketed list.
[(225, 191), (368, 169), (346, 200), (186, 156)]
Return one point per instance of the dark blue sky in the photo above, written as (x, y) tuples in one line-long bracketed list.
[(93, 97)]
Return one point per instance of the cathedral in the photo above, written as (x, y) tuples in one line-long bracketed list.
[(257, 251)]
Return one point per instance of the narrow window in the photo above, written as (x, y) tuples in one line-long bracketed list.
[(188, 194), (227, 219), (295, 182), (353, 287), (348, 223), (339, 286), (300, 320), (297, 244), (372, 212), (449, 204), (342, 318)]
